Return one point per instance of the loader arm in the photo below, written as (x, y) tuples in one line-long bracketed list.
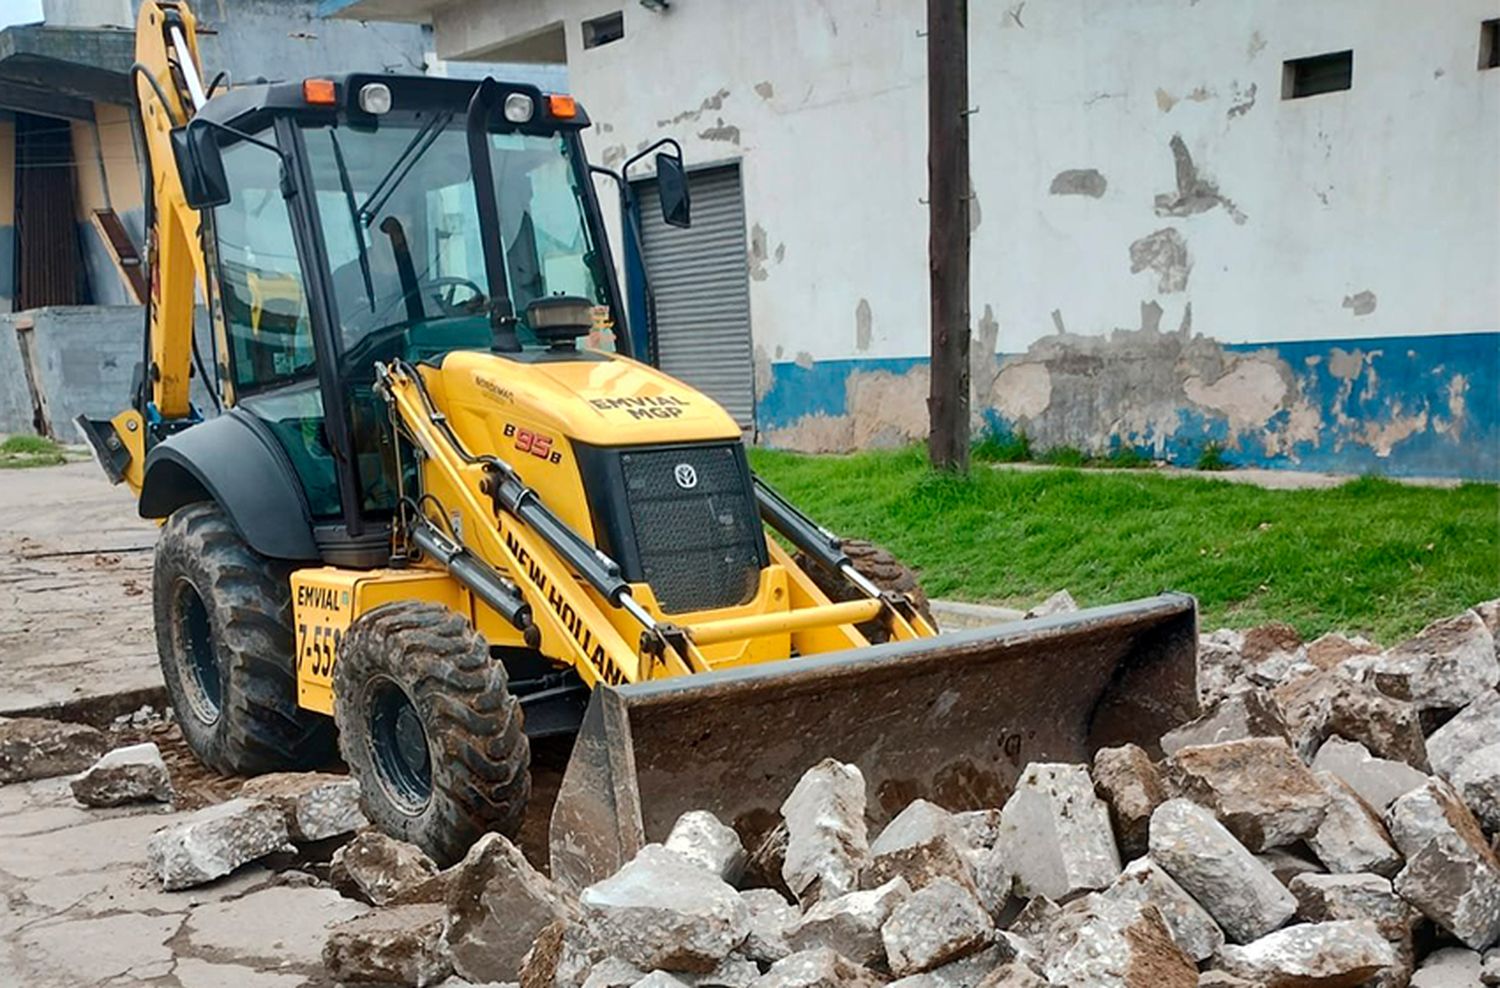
[(169, 90)]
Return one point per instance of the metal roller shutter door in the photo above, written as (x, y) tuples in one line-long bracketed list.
[(702, 286)]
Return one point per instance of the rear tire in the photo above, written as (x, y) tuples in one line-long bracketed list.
[(429, 727), (881, 568), (224, 637)]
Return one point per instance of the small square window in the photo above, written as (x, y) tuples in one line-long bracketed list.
[(1489, 45), (1317, 74), (603, 30)]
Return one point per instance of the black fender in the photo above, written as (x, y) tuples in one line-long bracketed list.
[(233, 461)]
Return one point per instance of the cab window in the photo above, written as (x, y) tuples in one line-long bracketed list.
[(265, 307)]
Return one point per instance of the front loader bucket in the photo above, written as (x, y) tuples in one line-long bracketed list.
[(953, 719)]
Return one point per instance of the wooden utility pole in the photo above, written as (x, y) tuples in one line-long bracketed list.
[(948, 230)]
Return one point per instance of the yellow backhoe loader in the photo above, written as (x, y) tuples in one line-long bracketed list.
[(430, 500)]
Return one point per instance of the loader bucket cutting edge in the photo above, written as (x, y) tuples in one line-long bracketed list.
[(953, 719)]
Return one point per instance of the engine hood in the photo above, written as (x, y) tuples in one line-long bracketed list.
[(598, 398)]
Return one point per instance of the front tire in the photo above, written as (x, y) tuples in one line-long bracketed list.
[(429, 727), (224, 636), (876, 564)]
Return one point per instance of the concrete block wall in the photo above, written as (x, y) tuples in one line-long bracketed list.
[(82, 361)]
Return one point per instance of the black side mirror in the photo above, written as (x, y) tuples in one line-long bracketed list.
[(672, 188), (201, 165)]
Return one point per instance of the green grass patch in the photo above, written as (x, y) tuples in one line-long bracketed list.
[(1370, 557), (994, 448), (30, 451), (1212, 457)]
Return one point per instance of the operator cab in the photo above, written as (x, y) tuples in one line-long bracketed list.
[(372, 217)]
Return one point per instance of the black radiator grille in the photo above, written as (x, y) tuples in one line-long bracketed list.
[(697, 531)]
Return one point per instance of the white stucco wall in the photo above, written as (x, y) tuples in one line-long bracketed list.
[(1387, 188), (1343, 251)]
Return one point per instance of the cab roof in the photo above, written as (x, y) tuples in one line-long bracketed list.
[(245, 106)]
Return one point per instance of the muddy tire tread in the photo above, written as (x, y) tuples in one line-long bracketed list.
[(481, 757)]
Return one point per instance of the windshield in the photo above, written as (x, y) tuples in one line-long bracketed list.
[(397, 207)]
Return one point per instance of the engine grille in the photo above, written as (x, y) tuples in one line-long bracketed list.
[(696, 527)]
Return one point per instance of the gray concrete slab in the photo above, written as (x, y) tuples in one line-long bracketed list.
[(81, 909), (75, 589)]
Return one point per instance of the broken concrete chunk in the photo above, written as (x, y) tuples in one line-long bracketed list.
[(497, 904), (993, 880), (1221, 667), (1286, 863), (613, 973), (827, 846), (1272, 652), (1035, 919), (978, 828), (1117, 943), (821, 968), (770, 918), (1489, 972), (34, 748), (967, 972), (1055, 833), (1321, 898), (317, 805), (920, 844), (1449, 967), (1258, 788), (1428, 812), (215, 841), (1061, 602), (1352, 838), (1333, 649), (402, 945), (851, 923), (1446, 666), (1338, 954), (1191, 926), (659, 911), (382, 870), (1239, 892), (1013, 975), (132, 774), (1470, 729), (1130, 785), (1456, 886), (660, 979), (936, 925), (1378, 781), (561, 956), (733, 972), (1247, 713), (701, 838), (1324, 705), (1222, 979), (1477, 779)]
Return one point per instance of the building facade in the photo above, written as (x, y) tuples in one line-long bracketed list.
[(1269, 227)]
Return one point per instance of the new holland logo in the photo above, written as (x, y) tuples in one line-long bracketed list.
[(685, 475)]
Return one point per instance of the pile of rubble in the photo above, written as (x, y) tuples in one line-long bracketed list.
[(1328, 821), (1332, 819)]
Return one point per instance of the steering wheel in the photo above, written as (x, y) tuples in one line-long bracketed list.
[(444, 290)]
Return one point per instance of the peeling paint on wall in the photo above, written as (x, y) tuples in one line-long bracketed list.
[(1195, 193), (1243, 101), (1079, 182), (1308, 404), (1360, 303), (714, 102), (1166, 253), (863, 325), (721, 131)]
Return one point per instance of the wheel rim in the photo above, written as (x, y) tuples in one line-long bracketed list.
[(195, 640), (398, 748)]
